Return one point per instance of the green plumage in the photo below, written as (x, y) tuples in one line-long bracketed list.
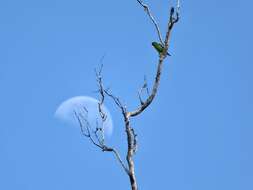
[(159, 47)]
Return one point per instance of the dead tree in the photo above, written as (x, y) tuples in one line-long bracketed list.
[(96, 136)]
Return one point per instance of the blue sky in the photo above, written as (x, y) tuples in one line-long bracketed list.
[(196, 135)]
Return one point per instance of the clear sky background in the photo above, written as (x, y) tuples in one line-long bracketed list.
[(196, 135)]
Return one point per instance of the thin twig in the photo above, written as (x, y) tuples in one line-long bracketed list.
[(120, 161), (100, 144), (147, 10), (144, 87)]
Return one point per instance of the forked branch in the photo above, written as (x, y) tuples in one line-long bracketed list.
[(173, 18), (96, 136), (131, 135)]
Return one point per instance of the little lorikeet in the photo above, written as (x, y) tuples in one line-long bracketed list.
[(159, 47)]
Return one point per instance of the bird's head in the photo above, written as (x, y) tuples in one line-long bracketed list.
[(154, 43)]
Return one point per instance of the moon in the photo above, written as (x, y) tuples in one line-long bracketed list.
[(66, 113)]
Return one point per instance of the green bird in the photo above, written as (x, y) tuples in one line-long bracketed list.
[(159, 47)]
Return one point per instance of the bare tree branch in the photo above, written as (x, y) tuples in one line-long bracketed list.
[(101, 92), (173, 18), (117, 102), (97, 136), (131, 136), (147, 10), (143, 88), (96, 140)]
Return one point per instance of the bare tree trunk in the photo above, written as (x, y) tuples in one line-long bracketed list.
[(97, 136), (130, 153)]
